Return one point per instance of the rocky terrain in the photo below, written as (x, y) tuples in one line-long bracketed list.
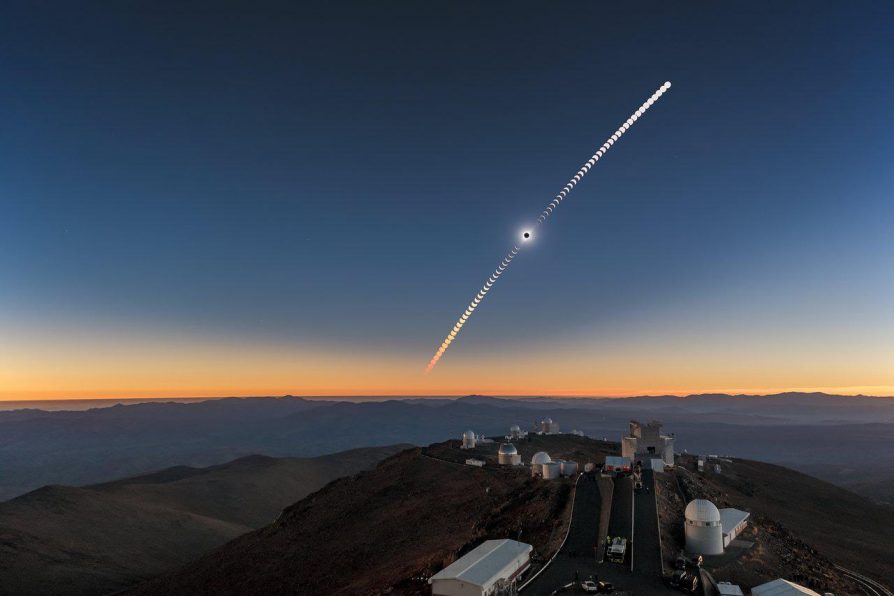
[(390, 529), (101, 538), (800, 527)]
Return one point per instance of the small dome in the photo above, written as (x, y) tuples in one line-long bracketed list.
[(469, 434), (541, 457), (702, 510), (515, 428), (508, 449), (548, 421)]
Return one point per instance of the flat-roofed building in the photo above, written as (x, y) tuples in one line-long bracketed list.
[(491, 565), (782, 587), (733, 521), (728, 589)]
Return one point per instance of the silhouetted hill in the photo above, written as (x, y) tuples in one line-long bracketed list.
[(96, 539)]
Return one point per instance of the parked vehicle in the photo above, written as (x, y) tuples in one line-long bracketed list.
[(617, 550)]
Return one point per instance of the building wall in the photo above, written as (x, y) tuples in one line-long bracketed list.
[(668, 451), (704, 539), (628, 447)]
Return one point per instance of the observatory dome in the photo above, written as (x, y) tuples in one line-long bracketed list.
[(508, 449), (542, 457), (548, 421), (515, 428), (702, 510)]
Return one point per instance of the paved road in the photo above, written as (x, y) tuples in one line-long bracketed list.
[(627, 520), (621, 521), (578, 554), (646, 548)]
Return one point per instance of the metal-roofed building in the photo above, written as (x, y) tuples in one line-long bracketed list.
[(733, 521), (728, 589), (492, 564), (782, 587)]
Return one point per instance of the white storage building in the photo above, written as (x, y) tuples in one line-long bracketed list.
[(728, 589), (782, 587), (478, 572), (551, 470), (733, 521), (704, 534), (568, 468)]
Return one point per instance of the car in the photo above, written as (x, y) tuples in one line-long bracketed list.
[(590, 587), (605, 587)]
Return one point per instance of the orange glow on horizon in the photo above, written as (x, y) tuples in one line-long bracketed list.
[(56, 363)]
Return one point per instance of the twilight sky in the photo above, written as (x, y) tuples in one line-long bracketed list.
[(202, 200)]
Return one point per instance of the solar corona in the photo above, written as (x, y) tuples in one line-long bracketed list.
[(528, 234)]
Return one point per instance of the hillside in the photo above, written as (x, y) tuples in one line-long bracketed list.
[(101, 538), (800, 524), (389, 529), (408, 518)]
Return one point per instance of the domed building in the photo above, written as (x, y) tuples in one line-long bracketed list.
[(508, 455), (537, 461), (515, 432), (704, 532), (548, 427), (468, 440)]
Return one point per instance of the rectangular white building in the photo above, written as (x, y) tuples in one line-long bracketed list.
[(733, 521), (782, 587), (478, 572)]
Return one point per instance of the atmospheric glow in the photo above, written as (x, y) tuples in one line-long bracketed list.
[(554, 204)]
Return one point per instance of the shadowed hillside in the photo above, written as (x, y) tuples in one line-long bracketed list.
[(408, 518), (388, 529), (96, 539)]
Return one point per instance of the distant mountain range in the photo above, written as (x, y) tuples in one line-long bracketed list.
[(102, 538), (827, 435)]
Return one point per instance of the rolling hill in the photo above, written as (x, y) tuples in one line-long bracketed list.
[(387, 530), (106, 537)]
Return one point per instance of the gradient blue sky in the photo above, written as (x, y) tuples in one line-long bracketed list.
[(202, 198)]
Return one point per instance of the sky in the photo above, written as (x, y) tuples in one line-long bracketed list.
[(202, 199)]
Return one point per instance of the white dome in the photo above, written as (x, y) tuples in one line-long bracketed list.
[(542, 457), (514, 428), (548, 421), (702, 510), (508, 449), (469, 434)]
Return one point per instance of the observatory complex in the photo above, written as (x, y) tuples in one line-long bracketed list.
[(645, 442)]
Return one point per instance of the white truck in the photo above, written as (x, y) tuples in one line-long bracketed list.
[(617, 550)]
